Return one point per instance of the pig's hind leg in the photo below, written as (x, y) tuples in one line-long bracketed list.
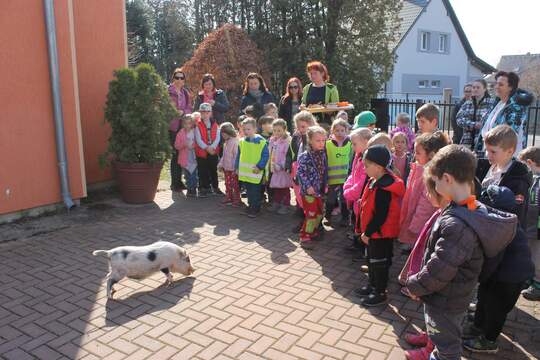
[(112, 278)]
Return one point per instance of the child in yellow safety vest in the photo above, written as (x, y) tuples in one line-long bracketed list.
[(339, 154), (250, 163)]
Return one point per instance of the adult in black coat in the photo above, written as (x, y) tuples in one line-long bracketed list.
[(289, 105), (215, 97), (257, 94), (458, 131)]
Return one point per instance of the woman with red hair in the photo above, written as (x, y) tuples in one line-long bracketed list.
[(319, 91), (289, 105)]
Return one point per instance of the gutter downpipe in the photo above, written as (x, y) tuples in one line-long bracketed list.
[(50, 24)]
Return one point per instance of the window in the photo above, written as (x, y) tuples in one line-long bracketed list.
[(424, 40), (423, 84), (436, 83), (443, 43)]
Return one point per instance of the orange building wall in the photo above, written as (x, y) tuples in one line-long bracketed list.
[(100, 40), (28, 166)]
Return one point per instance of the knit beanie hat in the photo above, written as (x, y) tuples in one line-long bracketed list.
[(364, 119), (205, 107), (378, 154)]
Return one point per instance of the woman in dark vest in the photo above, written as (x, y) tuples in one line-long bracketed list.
[(289, 105), (256, 94), (211, 95)]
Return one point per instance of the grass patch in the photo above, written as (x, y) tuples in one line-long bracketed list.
[(166, 172)]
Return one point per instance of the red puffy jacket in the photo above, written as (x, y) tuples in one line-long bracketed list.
[(201, 127), (393, 184)]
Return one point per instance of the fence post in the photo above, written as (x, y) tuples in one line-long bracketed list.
[(380, 109), (419, 103), (447, 113)]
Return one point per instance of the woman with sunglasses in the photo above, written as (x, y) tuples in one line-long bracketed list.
[(213, 96), (181, 99), (289, 105)]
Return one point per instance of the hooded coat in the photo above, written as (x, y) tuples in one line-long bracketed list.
[(459, 241)]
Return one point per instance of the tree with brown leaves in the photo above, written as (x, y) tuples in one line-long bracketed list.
[(230, 55)]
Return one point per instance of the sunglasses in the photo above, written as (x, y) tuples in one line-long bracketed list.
[(293, 87), (179, 77)]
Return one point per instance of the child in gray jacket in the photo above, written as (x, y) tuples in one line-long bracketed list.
[(460, 240)]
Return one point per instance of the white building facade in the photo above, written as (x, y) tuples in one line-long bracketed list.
[(432, 54)]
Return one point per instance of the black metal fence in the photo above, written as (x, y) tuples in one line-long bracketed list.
[(387, 110)]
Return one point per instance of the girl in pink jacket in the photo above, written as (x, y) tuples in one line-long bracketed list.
[(227, 164), (416, 209), (185, 144), (280, 180), (354, 185)]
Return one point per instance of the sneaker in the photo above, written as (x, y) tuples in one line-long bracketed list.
[(352, 248), (283, 210), (405, 292), (420, 354), (307, 243), (203, 193), (298, 227), (470, 331), (481, 345), (363, 291), (359, 257), (374, 299), (317, 235), (364, 269), (419, 340), (217, 192), (532, 293), (191, 193), (327, 221)]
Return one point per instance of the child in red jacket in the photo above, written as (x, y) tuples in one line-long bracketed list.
[(380, 222)]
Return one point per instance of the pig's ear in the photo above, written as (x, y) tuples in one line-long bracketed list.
[(182, 253)]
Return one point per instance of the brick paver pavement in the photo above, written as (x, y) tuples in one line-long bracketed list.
[(255, 293)]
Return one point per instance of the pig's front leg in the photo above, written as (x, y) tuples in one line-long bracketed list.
[(167, 273)]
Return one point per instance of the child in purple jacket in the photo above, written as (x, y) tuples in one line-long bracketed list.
[(312, 176)]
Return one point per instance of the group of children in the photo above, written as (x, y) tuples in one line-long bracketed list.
[(466, 234)]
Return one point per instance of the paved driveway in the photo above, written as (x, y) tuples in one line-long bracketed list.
[(255, 294)]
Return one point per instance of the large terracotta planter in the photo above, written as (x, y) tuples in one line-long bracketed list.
[(137, 181)]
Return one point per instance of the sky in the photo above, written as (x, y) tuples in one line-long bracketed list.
[(500, 27)]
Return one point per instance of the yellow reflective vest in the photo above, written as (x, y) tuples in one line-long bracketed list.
[(339, 158), (250, 155)]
